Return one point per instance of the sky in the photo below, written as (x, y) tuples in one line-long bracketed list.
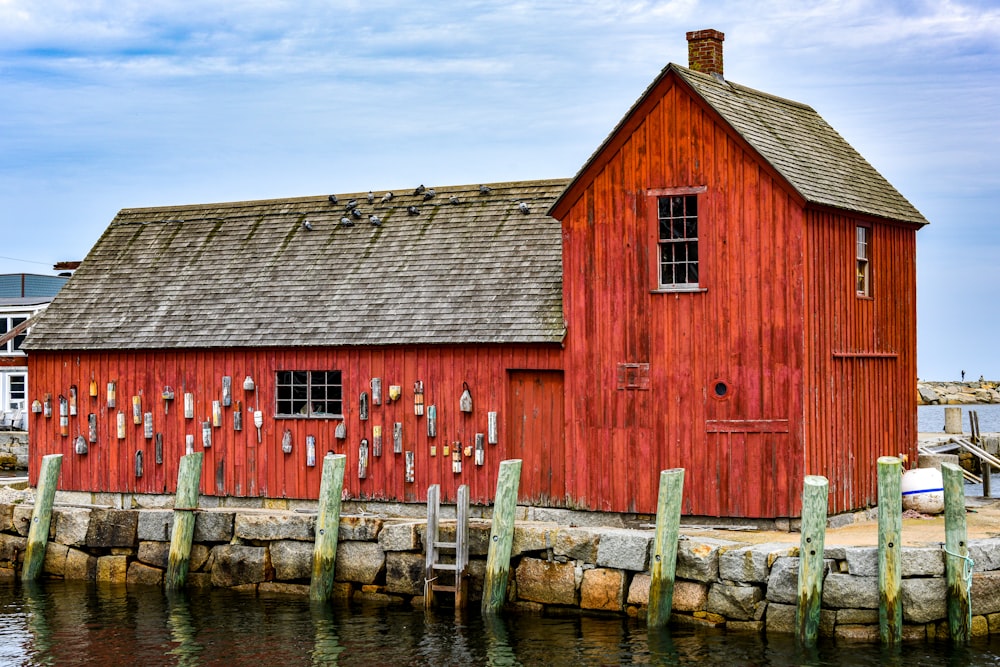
[(109, 105)]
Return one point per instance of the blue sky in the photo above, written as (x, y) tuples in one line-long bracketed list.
[(107, 105)]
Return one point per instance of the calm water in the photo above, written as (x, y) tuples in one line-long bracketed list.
[(930, 418), (57, 623)]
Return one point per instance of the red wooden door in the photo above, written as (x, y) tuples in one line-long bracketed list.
[(535, 432)]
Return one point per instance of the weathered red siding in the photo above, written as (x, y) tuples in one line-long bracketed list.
[(862, 364), (743, 453), (237, 465)]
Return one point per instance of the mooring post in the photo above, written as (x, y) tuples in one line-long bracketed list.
[(188, 484), (815, 492), (41, 517), (890, 533), (668, 524), (501, 536), (958, 565), (324, 560)]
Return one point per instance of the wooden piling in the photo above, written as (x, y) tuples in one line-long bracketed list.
[(890, 532), (815, 494), (668, 521), (41, 517), (956, 554), (501, 536), (324, 559), (188, 485)]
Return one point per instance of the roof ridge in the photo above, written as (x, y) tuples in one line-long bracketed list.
[(307, 199), (739, 87)]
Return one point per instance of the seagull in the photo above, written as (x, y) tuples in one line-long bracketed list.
[(453, 199), (356, 212), (413, 210), (429, 194), (387, 197), (375, 220), (485, 189), (333, 199), (346, 222), (307, 224), (351, 204), (524, 208), (420, 189), (371, 196)]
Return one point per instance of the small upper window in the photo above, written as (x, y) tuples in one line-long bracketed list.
[(678, 240), (309, 394), (863, 262)]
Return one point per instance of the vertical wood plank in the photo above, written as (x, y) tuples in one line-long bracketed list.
[(890, 529), (41, 517), (956, 554), (188, 486), (663, 567), (324, 558), (501, 537), (811, 567)]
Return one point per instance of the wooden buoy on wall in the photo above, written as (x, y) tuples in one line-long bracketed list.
[(311, 450), (465, 401)]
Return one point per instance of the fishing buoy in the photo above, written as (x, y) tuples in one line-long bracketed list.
[(923, 490)]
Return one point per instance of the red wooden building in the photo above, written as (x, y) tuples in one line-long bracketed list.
[(726, 286)]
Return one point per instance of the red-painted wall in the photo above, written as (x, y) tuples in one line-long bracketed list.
[(743, 327), (862, 366), (236, 464)]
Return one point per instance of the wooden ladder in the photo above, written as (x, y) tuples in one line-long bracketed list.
[(446, 577)]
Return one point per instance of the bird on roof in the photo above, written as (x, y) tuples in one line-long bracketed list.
[(346, 222), (524, 208), (420, 189), (429, 194), (485, 189), (387, 197), (351, 204), (371, 196), (307, 224), (356, 212), (453, 199), (333, 199), (375, 220), (413, 210)]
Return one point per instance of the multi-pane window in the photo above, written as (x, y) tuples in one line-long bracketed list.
[(17, 392), (678, 240), (13, 346), (309, 394), (863, 262)]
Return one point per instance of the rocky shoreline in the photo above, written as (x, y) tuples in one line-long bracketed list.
[(958, 393)]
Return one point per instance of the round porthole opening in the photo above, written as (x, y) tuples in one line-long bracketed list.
[(720, 389)]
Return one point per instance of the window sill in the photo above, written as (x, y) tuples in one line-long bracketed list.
[(678, 290), (321, 417)]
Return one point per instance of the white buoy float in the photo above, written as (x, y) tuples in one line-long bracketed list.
[(923, 490)]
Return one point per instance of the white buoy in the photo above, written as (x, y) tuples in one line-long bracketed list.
[(923, 490)]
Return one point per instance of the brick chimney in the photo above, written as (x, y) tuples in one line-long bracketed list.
[(705, 51)]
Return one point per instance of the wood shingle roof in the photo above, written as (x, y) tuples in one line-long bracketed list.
[(474, 269)]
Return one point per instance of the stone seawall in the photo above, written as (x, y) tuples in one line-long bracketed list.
[(957, 393), (720, 583), (13, 450)]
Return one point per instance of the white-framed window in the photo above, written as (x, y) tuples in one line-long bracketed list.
[(9, 323), (304, 394), (16, 396), (863, 251), (676, 219), (678, 240)]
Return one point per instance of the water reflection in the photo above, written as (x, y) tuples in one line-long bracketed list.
[(326, 646), (57, 623)]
